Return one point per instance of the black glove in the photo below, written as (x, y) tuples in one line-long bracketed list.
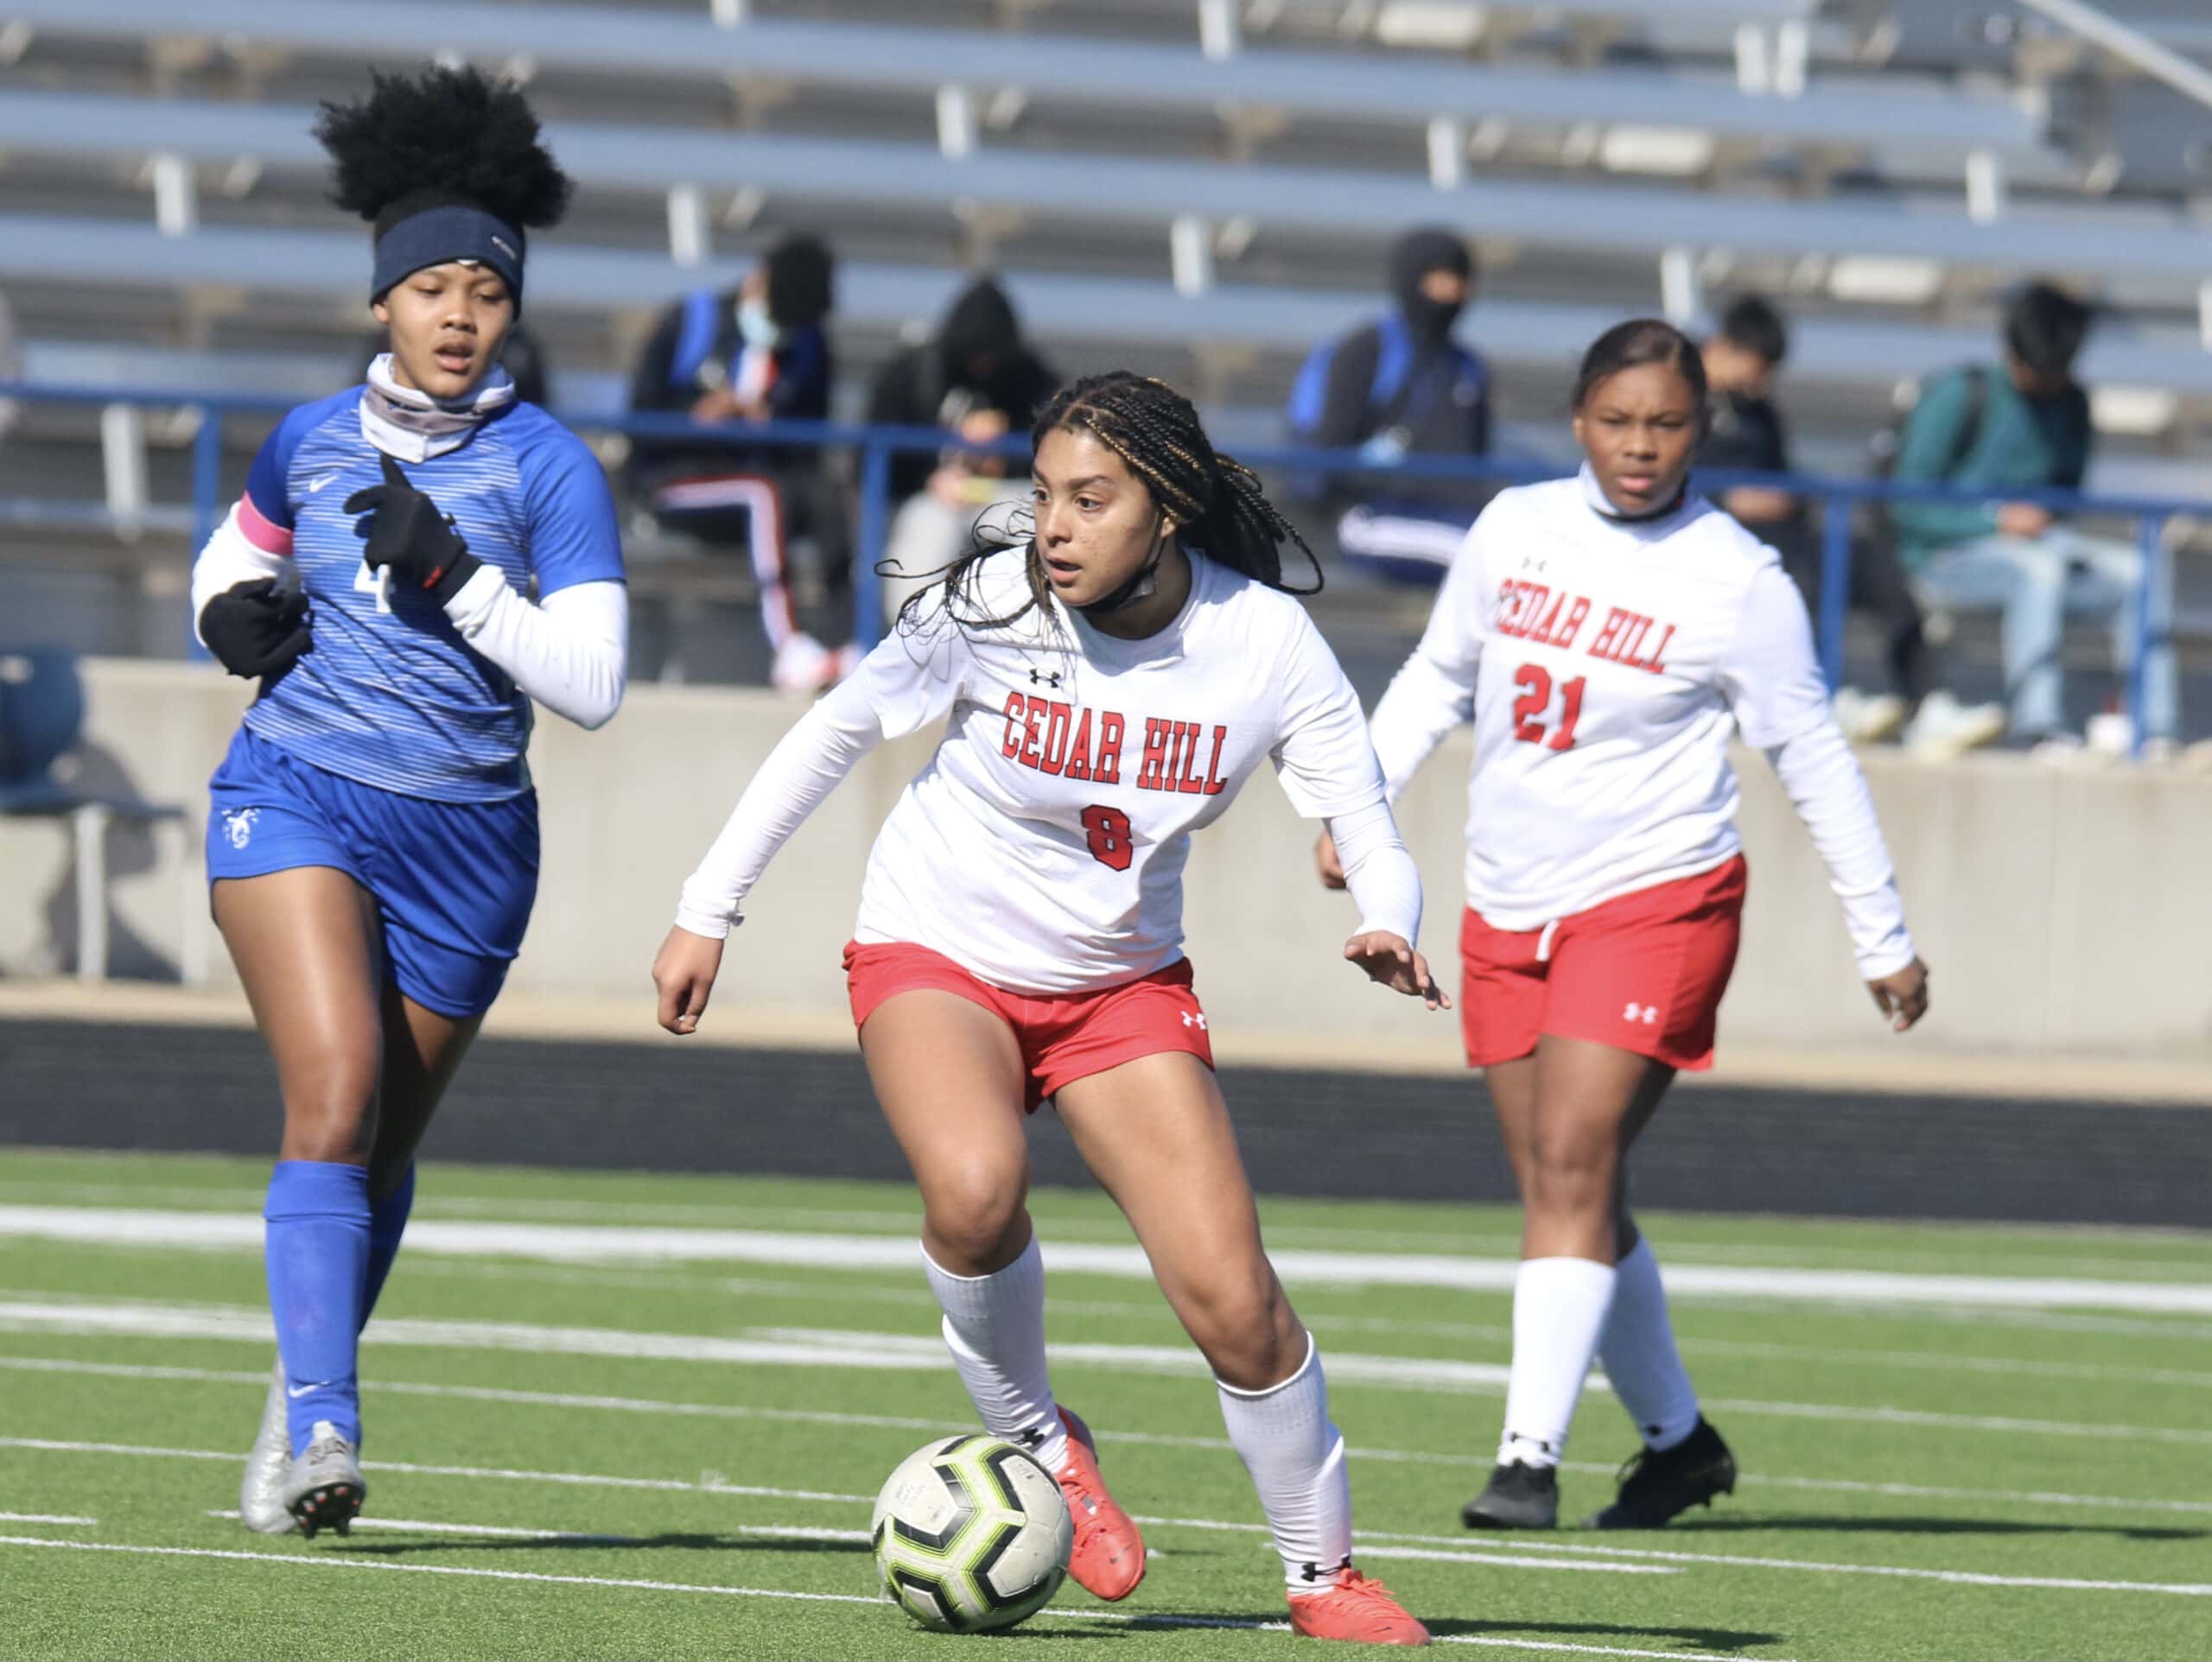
[(408, 535), (254, 629)]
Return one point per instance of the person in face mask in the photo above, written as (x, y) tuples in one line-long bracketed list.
[(1400, 386), (978, 380), (757, 352)]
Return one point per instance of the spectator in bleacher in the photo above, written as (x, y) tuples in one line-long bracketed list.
[(1748, 435), (728, 359), (1402, 386), (2024, 425), (975, 378)]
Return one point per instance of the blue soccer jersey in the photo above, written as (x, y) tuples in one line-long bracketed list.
[(397, 700)]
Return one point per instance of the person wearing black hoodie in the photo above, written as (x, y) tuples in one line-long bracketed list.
[(975, 378), (757, 352), (1403, 386)]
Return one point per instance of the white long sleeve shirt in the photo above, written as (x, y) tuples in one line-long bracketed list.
[(569, 651), (1606, 663), (1042, 849)]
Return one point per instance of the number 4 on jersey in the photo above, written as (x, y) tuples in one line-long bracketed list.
[(1536, 685)]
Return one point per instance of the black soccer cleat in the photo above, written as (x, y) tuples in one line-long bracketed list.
[(1657, 1484), (1517, 1497)]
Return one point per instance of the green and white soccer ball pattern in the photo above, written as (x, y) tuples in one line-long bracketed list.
[(971, 1534)]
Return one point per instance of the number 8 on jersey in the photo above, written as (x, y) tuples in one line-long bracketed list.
[(1111, 842)]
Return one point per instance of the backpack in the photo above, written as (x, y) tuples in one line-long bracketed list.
[(1879, 525), (1388, 394), (697, 333)]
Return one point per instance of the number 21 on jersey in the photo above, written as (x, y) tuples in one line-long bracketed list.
[(1529, 709)]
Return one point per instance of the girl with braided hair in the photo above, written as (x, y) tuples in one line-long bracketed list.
[(1112, 678), (416, 562)]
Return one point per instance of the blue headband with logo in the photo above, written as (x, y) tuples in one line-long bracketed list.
[(437, 235)]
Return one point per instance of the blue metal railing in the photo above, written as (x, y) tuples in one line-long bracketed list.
[(876, 446)]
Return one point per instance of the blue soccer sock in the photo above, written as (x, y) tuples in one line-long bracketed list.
[(318, 1250), (387, 1223)]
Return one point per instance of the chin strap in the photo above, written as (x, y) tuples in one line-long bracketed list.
[(1142, 584)]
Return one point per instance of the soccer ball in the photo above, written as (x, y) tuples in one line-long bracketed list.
[(971, 1534)]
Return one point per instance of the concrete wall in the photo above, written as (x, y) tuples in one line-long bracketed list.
[(2063, 912)]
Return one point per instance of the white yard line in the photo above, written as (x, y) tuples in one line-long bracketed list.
[(916, 1353), (1531, 1554), (845, 1291), (442, 1205), (1954, 1578), (1460, 1551), (508, 1533), (1399, 1546), (661, 1408), (1119, 1618), (800, 1531), (576, 1244), (2118, 1327), (708, 1484), (47, 1517)]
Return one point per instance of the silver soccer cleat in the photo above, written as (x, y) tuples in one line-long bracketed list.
[(261, 1493), (324, 1487)]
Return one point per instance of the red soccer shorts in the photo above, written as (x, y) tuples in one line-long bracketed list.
[(1064, 1037), (1644, 973)]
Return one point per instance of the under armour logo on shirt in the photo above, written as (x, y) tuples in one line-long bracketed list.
[(1646, 1013), (1039, 678)]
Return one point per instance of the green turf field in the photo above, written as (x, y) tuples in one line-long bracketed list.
[(1961, 1472)]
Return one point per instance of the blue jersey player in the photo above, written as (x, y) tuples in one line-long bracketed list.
[(415, 563)]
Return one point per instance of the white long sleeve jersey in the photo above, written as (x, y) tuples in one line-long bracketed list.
[(1042, 848), (1606, 663)]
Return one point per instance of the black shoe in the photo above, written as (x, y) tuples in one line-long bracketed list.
[(1657, 1484), (1518, 1497)]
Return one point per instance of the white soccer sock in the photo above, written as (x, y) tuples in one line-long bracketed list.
[(1559, 1311), (1297, 1462), (1641, 1361), (995, 1327)]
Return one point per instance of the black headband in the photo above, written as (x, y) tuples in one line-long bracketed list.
[(455, 231)]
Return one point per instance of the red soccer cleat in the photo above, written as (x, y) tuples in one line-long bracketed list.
[(1353, 1608), (1108, 1561)]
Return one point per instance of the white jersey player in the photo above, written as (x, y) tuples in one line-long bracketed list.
[(1109, 690), (1609, 634)]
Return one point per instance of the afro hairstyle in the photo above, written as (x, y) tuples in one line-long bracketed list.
[(447, 136)]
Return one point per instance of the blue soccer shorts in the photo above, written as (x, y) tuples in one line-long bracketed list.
[(454, 882)]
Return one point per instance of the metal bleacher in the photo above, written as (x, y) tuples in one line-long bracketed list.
[(1245, 208), (1202, 188), (1362, 205)]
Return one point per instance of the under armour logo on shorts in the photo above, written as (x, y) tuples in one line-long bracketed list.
[(237, 825), (1646, 1013), (1192, 1018)]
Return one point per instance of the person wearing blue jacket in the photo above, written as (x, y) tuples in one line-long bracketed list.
[(417, 565)]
